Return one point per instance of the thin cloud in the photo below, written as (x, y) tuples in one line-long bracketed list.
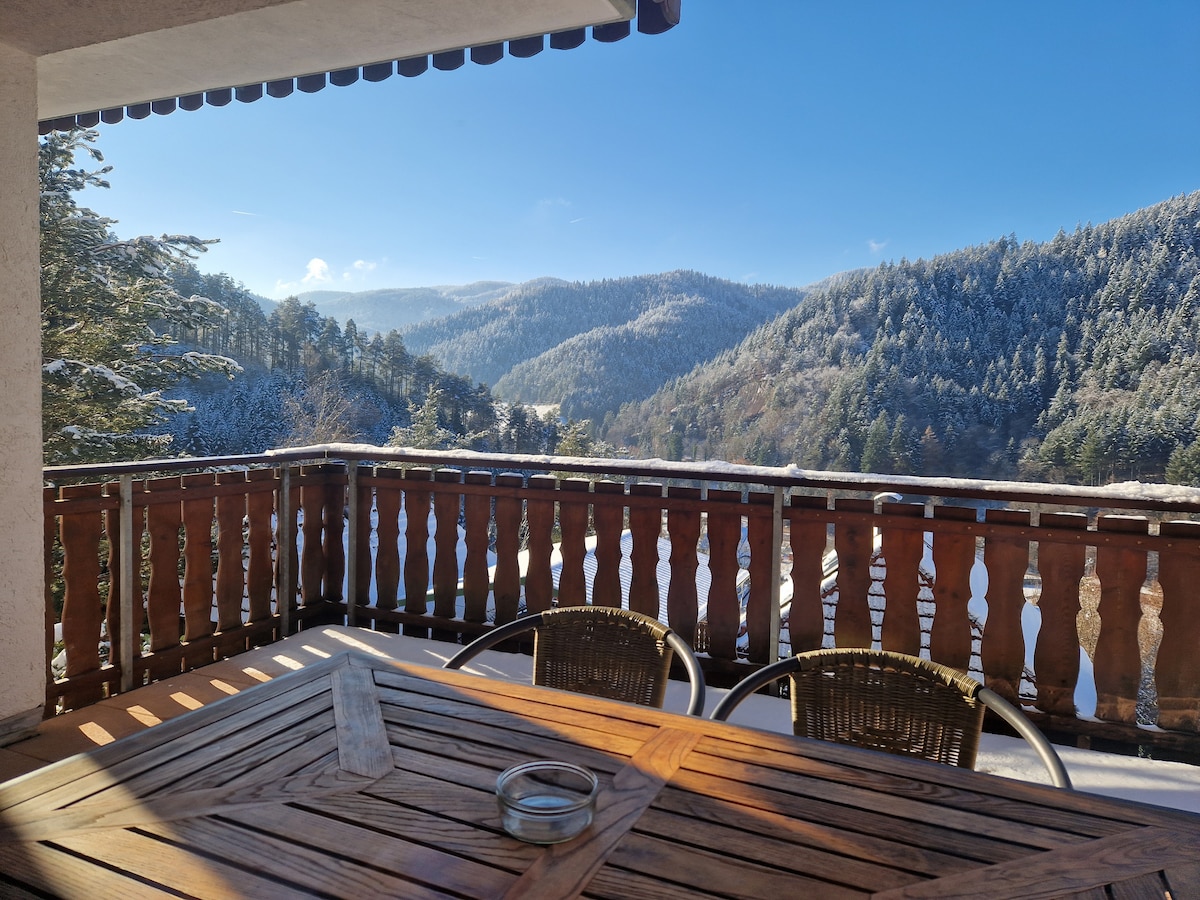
[(876, 246), (242, 212)]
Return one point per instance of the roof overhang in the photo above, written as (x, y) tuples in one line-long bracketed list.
[(138, 56)]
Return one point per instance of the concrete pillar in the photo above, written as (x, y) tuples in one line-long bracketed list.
[(22, 596)]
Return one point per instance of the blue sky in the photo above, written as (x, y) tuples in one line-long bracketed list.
[(778, 141)]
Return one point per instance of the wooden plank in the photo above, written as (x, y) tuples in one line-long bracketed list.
[(683, 526), (260, 567), (75, 778), (387, 531), (362, 739), (476, 515), (762, 604), (724, 608), (565, 869), (765, 839), (902, 550), (173, 867), (466, 818), (1056, 655), (507, 584), (197, 559), (57, 873), (447, 505), (1183, 879), (1097, 863), (905, 799), (1177, 666), (339, 857), (573, 520), (333, 544), (809, 802), (855, 546), (417, 504), (1002, 649), (645, 527), (539, 517), (715, 870), (312, 553), (79, 534), (1118, 660), (715, 815), (953, 557), (608, 517), (806, 620), (231, 576)]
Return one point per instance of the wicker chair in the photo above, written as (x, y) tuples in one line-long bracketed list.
[(892, 702), (599, 650)]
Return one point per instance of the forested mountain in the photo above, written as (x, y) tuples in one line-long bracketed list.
[(591, 346), (309, 380), (1075, 359), (390, 309)]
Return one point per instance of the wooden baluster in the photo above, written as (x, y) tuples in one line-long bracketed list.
[(447, 504), (163, 598), (608, 516), (361, 590), (1177, 669), (288, 543), (333, 545), (417, 502), (953, 557), (112, 528), (855, 544), (903, 550), (507, 587), (1118, 663), (1056, 655), (81, 612), (1002, 651), (645, 527), (806, 617), (724, 609), (763, 568), (260, 570), (573, 520), (387, 529), (683, 526), (231, 575), (477, 516), (50, 527), (539, 516), (197, 556), (312, 554)]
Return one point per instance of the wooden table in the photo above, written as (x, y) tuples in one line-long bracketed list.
[(360, 777)]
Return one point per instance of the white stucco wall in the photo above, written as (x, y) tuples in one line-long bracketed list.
[(22, 606)]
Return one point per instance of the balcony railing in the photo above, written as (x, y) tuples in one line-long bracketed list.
[(158, 568)]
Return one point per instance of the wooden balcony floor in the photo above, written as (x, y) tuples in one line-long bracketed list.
[(1164, 783)]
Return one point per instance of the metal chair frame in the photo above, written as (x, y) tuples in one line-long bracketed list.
[(554, 665), (892, 702)]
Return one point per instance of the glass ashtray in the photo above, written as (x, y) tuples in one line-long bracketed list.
[(546, 801)]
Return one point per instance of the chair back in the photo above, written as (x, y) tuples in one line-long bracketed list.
[(892, 702), (600, 650), (887, 701), (603, 651)]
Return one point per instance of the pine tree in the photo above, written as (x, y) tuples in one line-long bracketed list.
[(108, 306)]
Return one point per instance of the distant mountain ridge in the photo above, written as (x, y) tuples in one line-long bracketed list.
[(392, 309), (592, 346)]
